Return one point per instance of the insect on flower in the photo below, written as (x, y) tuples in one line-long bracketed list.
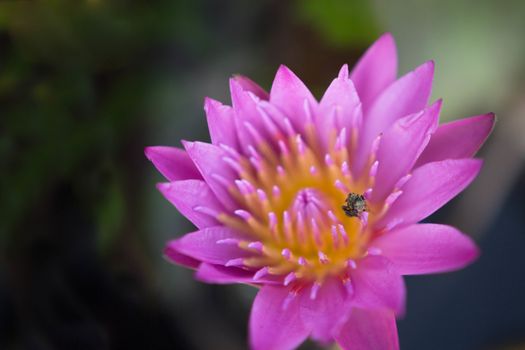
[(266, 194), (355, 205)]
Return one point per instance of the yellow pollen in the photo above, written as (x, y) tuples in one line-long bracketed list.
[(290, 196)]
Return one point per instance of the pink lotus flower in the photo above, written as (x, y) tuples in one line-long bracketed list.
[(317, 203)]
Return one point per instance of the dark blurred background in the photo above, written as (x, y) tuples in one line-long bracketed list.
[(86, 85)]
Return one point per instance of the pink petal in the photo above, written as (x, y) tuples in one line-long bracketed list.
[(369, 330), (222, 275), (407, 95), (339, 108), (378, 285), (458, 139), (202, 245), (430, 187), (249, 85), (225, 275), (247, 115), (172, 162), (221, 123), (376, 69), (327, 312), (427, 248), (209, 161), (289, 94), (273, 326), (180, 259), (400, 147), (187, 195)]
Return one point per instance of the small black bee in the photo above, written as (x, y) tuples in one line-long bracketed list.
[(355, 205)]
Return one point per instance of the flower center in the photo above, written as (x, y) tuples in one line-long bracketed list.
[(292, 201)]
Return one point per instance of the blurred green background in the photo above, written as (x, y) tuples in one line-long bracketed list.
[(86, 85)]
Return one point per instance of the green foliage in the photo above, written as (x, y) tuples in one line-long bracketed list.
[(341, 22), (72, 83), (110, 215)]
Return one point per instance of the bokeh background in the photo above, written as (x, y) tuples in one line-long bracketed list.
[(85, 85)]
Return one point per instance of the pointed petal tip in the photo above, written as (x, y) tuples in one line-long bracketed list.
[(248, 85), (343, 72), (489, 117), (387, 36), (387, 39), (470, 165), (210, 103), (283, 68), (168, 250), (425, 69), (474, 254), (163, 186), (285, 73), (147, 152), (477, 164), (471, 252), (172, 244), (171, 255), (421, 74), (430, 66), (152, 152), (235, 87), (233, 81), (187, 144), (172, 162), (492, 118)]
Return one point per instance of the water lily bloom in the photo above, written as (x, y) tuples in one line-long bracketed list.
[(317, 203)]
